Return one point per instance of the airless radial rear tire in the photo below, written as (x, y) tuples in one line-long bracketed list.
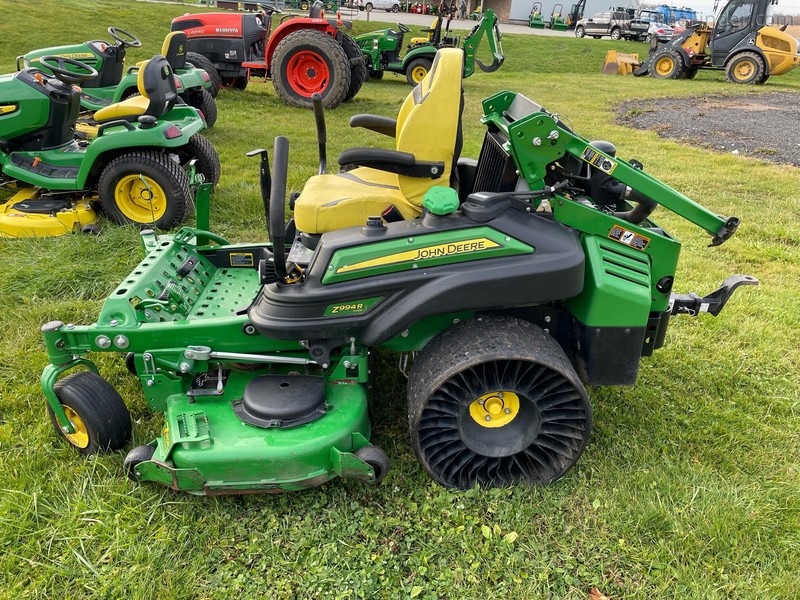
[(201, 62), (100, 418), (495, 401), (307, 62), (144, 188)]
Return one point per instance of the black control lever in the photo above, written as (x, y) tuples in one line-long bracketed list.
[(264, 179), (692, 304), (322, 135)]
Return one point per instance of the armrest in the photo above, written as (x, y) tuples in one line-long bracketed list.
[(378, 124), (391, 161)]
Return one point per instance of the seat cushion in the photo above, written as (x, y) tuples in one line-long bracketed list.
[(132, 107), (330, 202)]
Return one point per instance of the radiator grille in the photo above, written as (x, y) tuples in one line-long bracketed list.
[(496, 171)]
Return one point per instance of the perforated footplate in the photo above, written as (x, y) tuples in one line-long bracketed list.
[(229, 291)]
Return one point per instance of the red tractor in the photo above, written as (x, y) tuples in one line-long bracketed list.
[(303, 55)]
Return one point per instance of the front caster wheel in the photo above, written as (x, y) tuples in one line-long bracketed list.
[(375, 458), (98, 415), (135, 457), (496, 402)]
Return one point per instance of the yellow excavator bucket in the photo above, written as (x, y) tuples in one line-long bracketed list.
[(619, 63)]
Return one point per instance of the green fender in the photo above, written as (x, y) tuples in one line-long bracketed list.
[(422, 52), (119, 137)]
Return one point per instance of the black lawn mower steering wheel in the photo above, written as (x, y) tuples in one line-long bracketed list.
[(125, 39), (56, 64), (276, 221), (402, 28)]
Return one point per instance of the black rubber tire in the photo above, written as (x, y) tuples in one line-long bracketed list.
[(678, 67), (326, 48), (105, 416), (137, 455), (240, 83), (159, 167), (368, 6), (756, 68), (130, 363), (596, 37), (539, 443), (358, 65), (201, 62), (395, 8), (375, 458), (690, 72), (580, 31), (763, 79), (616, 33), (204, 102), (209, 107), (207, 158), (417, 63), (376, 75)]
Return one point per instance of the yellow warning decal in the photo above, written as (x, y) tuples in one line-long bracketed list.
[(7, 108), (241, 259), (424, 253)]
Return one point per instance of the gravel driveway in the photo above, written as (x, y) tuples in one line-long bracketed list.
[(765, 126)]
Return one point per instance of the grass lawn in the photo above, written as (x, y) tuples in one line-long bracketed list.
[(689, 488)]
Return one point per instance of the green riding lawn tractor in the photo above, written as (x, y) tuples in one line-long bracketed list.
[(382, 48), (514, 280), (141, 168), (196, 80)]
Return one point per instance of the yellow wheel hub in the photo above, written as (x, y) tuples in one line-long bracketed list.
[(418, 74), (665, 65), (495, 409), (140, 198), (744, 70), (79, 439)]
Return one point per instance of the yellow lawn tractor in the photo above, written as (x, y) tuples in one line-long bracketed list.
[(740, 43)]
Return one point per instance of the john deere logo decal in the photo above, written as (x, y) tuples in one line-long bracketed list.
[(426, 252)]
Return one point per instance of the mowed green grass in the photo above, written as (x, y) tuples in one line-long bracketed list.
[(688, 489)]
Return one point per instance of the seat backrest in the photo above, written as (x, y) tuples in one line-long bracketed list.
[(174, 49), (156, 82), (429, 122)]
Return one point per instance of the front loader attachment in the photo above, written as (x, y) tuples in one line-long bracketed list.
[(620, 63)]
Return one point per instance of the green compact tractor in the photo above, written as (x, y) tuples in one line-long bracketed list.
[(382, 48), (141, 168), (196, 80), (557, 20), (513, 280), (536, 19)]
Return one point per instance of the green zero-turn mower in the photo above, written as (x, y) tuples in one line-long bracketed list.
[(196, 79), (514, 281), (382, 48), (142, 167)]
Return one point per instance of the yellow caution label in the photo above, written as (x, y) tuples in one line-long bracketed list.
[(424, 253)]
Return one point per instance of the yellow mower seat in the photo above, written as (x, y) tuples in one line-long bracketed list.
[(428, 127), (156, 85), (425, 39)]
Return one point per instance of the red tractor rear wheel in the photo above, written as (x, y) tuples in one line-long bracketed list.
[(308, 62)]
